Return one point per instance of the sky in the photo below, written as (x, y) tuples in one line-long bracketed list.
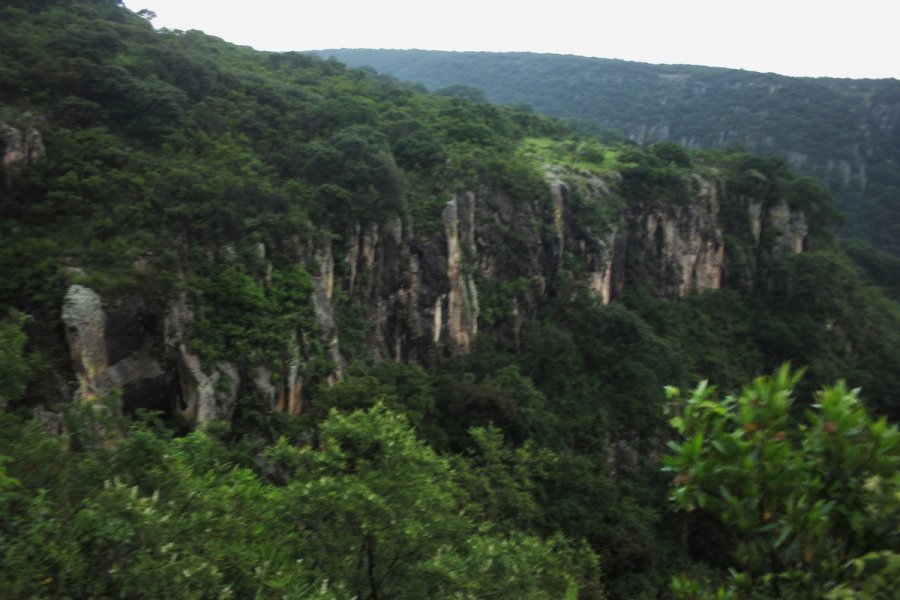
[(851, 38)]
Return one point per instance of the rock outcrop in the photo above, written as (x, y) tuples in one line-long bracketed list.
[(85, 323), (677, 248), (417, 296), (202, 394), (206, 396), (461, 312), (790, 228), (324, 312), (112, 351), (19, 147)]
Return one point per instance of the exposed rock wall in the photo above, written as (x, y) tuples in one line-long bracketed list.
[(677, 248), (324, 311), (790, 228), (419, 294), (85, 323), (206, 397), (462, 299), (601, 252), (110, 349), (20, 146)]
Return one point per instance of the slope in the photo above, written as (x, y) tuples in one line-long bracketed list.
[(273, 326), (844, 132)]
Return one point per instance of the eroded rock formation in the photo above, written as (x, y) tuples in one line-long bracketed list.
[(23, 145), (419, 294)]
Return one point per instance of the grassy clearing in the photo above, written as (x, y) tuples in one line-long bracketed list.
[(578, 155)]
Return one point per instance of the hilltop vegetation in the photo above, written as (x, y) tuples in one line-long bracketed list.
[(844, 132), (260, 224)]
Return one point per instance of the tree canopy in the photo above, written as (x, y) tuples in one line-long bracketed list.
[(810, 495)]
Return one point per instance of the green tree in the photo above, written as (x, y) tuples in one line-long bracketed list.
[(671, 153), (812, 500), (379, 510), (14, 366)]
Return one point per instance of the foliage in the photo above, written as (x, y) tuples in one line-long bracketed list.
[(881, 268), (809, 499), (576, 153), (180, 166), (836, 130), (242, 319), (655, 174), (14, 366), (671, 153), (371, 513)]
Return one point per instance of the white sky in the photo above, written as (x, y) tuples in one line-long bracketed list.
[(851, 38)]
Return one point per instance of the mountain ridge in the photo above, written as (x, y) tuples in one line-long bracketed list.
[(845, 132), (327, 51)]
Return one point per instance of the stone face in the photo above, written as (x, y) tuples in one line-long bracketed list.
[(262, 379), (203, 396), (130, 369), (754, 214), (207, 397), (418, 294), (20, 146), (790, 227), (290, 398), (324, 312), (677, 248), (85, 323), (462, 300), (111, 353)]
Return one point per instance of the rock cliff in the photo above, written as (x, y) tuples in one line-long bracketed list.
[(19, 147), (419, 294)]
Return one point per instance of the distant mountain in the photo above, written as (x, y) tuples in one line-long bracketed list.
[(845, 132)]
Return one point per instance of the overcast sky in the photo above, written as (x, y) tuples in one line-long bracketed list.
[(851, 38)]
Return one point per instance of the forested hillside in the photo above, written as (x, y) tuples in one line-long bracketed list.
[(275, 327), (844, 132)]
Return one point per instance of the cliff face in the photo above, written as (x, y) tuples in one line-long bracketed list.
[(19, 146), (112, 348), (419, 294), (677, 249)]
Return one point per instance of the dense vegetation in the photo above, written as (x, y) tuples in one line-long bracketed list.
[(791, 489), (529, 467), (843, 132)]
